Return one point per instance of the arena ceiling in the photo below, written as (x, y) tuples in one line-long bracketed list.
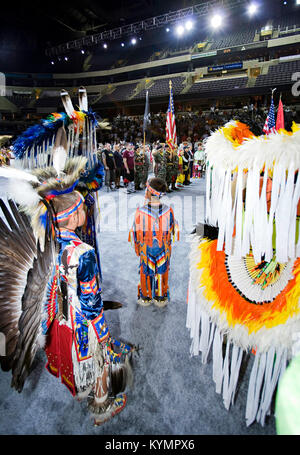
[(62, 20)]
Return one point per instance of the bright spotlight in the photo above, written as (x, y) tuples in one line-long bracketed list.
[(216, 21), (180, 30), (189, 25), (133, 41), (105, 46), (82, 51), (252, 9), (167, 29), (66, 59), (122, 44), (52, 63), (297, 2)]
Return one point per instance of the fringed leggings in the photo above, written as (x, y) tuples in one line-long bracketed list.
[(153, 286)]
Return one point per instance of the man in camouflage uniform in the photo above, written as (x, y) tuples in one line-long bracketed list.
[(146, 166), (160, 160), (169, 167), (139, 159), (175, 168)]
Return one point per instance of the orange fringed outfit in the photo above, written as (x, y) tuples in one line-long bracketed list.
[(153, 231)]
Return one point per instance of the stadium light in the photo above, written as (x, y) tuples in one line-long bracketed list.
[(66, 59), (189, 25), (180, 30), (167, 29), (122, 44), (105, 46), (82, 51), (133, 41), (216, 21), (252, 9), (297, 2)]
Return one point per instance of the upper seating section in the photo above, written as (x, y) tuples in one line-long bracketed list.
[(121, 93), (221, 84), (280, 74), (161, 87), (243, 36)]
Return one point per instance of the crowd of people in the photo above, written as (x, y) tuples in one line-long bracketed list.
[(129, 164), (128, 161), (193, 126)]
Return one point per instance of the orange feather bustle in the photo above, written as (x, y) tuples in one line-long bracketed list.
[(232, 305)]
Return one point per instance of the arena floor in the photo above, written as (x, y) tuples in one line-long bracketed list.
[(173, 393)]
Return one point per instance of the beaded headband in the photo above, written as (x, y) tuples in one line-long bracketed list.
[(153, 191), (64, 215)]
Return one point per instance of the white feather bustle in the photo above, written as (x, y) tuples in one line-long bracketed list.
[(277, 153)]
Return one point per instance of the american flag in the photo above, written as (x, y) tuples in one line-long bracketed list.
[(270, 125), (171, 137)]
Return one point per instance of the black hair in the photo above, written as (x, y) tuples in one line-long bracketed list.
[(158, 184)]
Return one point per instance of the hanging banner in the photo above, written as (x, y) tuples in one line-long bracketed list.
[(230, 66)]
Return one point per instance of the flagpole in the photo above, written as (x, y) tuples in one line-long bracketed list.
[(144, 127), (170, 92)]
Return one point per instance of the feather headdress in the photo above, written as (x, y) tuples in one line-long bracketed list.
[(34, 148)]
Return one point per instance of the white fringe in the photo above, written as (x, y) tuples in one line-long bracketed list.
[(265, 375), (278, 153), (84, 373)]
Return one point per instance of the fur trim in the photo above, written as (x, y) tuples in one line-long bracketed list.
[(72, 170), (41, 341)]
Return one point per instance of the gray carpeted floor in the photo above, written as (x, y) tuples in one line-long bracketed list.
[(173, 393)]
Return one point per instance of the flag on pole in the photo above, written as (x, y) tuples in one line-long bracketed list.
[(147, 120), (270, 126), (280, 117), (171, 136)]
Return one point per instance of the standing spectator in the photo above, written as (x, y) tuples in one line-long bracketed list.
[(139, 162), (109, 165), (147, 155), (119, 165), (180, 175), (129, 165), (186, 165), (175, 168), (191, 160)]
